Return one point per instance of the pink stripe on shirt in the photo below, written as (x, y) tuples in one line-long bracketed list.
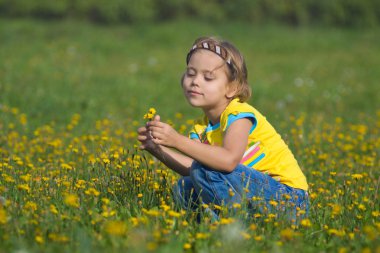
[(252, 153)]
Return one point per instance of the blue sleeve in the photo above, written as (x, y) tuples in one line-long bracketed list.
[(193, 135), (232, 118)]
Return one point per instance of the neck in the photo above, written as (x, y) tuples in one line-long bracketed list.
[(213, 114)]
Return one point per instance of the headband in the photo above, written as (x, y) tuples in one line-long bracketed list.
[(211, 46)]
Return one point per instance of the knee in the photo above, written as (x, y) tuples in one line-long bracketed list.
[(197, 173)]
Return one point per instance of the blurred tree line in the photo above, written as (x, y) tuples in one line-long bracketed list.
[(346, 13)]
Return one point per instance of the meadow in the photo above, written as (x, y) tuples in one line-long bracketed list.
[(72, 95)]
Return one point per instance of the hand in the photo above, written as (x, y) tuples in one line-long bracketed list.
[(162, 133), (146, 138)]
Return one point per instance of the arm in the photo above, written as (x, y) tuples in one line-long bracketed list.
[(224, 158), (176, 161)]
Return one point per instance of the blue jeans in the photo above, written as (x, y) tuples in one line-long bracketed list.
[(262, 192)]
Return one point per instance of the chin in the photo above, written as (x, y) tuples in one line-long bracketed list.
[(194, 103)]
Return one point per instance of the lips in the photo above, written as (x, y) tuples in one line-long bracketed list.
[(193, 92)]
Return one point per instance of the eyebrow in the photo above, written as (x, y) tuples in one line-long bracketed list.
[(207, 71)]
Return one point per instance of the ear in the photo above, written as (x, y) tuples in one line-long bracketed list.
[(231, 91)]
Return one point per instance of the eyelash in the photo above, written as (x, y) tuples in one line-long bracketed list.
[(205, 77)]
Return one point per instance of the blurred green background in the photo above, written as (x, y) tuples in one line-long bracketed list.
[(338, 12), (115, 59)]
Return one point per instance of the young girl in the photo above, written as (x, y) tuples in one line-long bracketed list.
[(233, 152)]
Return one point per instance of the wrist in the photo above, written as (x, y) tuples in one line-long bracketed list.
[(155, 150), (178, 141)]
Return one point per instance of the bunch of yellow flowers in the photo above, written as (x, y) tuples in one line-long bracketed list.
[(150, 114)]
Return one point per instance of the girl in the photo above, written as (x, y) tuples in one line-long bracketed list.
[(233, 153)]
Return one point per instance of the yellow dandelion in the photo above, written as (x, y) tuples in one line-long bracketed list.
[(225, 221), (200, 236), (39, 239), (187, 246), (336, 209), (66, 166), (370, 232), (306, 223), (253, 227), (287, 234), (362, 207), (30, 205), (116, 228), (92, 191), (357, 176), (53, 209), (71, 200), (333, 231), (151, 246), (58, 238), (134, 221), (152, 212), (273, 203), (105, 201), (179, 115), (23, 187), (165, 207), (217, 207), (150, 114), (108, 213), (245, 235), (174, 214), (3, 216), (26, 177), (205, 206)]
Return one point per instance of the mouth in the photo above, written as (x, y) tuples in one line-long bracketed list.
[(193, 93)]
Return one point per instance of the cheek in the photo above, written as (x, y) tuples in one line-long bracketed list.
[(182, 79), (185, 82)]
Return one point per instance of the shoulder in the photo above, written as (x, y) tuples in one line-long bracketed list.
[(198, 127), (235, 106), (237, 110)]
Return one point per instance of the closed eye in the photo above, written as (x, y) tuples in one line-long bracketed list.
[(209, 77), (190, 72)]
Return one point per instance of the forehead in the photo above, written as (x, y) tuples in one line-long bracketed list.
[(205, 60)]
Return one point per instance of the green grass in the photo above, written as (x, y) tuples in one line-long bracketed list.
[(51, 70), (79, 185)]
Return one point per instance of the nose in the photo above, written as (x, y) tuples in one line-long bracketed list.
[(195, 80)]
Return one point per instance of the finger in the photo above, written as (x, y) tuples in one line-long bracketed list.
[(141, 129), (157, 141), (142, 137), (151, 134), (157, 118), (154, 123), (154, 129)]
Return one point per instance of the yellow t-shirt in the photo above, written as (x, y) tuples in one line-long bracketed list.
[(266, 151)]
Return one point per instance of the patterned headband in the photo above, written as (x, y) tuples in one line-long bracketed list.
[(217, 49)]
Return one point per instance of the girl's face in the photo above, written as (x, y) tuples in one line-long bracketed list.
[(205, 83)]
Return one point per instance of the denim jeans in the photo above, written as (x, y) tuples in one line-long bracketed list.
[(262, 192)]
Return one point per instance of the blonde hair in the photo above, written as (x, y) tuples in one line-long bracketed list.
[(237, 71)]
